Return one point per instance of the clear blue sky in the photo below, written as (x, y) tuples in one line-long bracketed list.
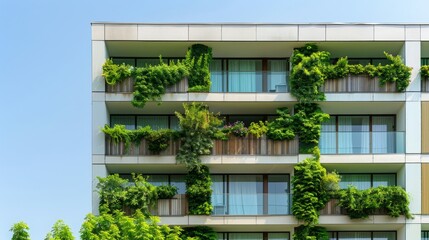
[(45, 120)]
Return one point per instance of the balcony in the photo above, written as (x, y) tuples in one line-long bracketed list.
[(332, 208), (229, 204), (127, 86), (249, 145), (251, 204), (425, 84), (357, 83), (362, 142)]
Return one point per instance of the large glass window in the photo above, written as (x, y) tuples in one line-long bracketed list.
[(128, 121), (360, 135), (425, 235), (362, 235), (155, 122), (245, 75), (277, 76), (250, 194), (253, 236)]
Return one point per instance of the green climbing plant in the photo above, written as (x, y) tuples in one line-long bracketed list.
[(199, 191), (198, 58)]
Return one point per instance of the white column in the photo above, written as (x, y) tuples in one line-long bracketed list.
[(99, 56), (411, 54), (413, 186), (97, 171)]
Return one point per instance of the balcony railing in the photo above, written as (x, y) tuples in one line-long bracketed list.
[(251, 204), (127, 86), (249, 145), (425, 84), (357, 83), (332, 208), (176, 206), (249, 82), (362, 142)]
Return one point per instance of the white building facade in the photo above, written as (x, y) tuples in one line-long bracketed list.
[(374, 134)]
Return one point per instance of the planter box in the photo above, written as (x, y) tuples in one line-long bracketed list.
[(356, 83)]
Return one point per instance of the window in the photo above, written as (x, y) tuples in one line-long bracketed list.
[(156, 122), (177, 180), (425, 235), (365, 181), (250, 194), (253, 236), (360, 135), (249, 75), (362, 235)]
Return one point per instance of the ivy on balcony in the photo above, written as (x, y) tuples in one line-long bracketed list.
[(150, 82)]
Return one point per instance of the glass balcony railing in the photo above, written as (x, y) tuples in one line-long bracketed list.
[(362, 142), (252, 204), (224, 82), (249, 82)]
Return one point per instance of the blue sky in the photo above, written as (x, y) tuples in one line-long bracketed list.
[(45, 145)]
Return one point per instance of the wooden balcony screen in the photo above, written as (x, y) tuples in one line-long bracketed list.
[(249, 145), (127, 86), (357, 83)]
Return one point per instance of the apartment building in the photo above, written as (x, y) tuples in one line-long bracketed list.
[(375, 136)]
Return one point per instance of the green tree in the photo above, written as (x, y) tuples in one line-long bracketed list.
[(60, 231), (20, 231), (118, 226)]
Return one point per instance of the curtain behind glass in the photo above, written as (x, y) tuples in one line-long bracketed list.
[(425, 61), (245, 195), (174, 123), (278, 236), (328, 137), (384, 236), (128, 121), (244, 76), (245, 236), (353, 135), (383, 136), (425, 235), (383, 180), (155, 122), (277, 75), (354, 236), (360, 181), (278, 194), (218, 195), (216, 76)]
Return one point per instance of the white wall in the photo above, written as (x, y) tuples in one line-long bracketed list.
[(97, 171)]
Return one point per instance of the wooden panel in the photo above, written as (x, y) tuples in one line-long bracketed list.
[(425, 188), (425, 127)]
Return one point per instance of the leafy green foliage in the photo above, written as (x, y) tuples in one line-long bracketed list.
[(118, 226), (237, 129), (198, 190), (198, 127), (424, 71), (60, 231), (307, 121), (200, 233), (20, 231), (151, 81), (198, 58), (166, 191), (310, 194), (362, 203), (258, 129), (282, 128), (307, 75), (304, 232), (158, 140), (395, 72), (117, 194), (115, 73)]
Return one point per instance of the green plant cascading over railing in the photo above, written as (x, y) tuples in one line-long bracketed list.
[(313, 187), (310, 181), (150, 82), (158, 140), (198, 126), (199, 233), (424, 71), (199, 191), (198, 59), (362, 203)]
